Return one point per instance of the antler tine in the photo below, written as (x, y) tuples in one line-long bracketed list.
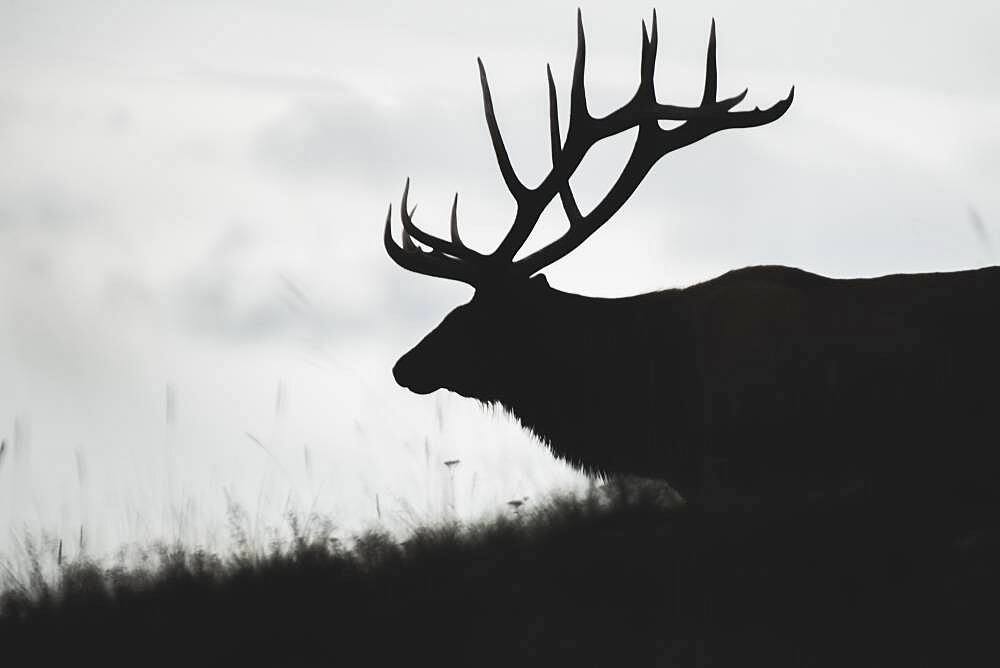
[(514, 184), (455, 239), (565, 193), (711, 71), (410, 257), (648, 63), (555, 136), (453, 248), (408, 244), (755, 117), (578, 94)]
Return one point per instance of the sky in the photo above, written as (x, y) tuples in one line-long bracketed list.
[(196, 312)]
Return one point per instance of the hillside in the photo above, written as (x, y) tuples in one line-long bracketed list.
[(596, 581)]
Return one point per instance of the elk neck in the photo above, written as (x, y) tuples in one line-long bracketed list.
[(600, 369)]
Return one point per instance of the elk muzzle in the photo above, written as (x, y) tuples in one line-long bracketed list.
[(413, 375)]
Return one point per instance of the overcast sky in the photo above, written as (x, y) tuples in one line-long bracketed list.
[(194, 301)]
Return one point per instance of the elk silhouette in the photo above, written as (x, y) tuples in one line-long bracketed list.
[(766, 383)]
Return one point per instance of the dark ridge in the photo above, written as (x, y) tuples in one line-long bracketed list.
[(620, 580)]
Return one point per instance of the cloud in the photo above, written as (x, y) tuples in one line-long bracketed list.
[(356, 137), (340, 137), (48, 207), (235, 304), (241, 290), (182, 188), (49, 234), (272, 82)]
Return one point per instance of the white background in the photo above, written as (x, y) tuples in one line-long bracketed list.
[(194, 301)]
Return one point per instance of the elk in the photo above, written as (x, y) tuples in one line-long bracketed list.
[(765, 383)]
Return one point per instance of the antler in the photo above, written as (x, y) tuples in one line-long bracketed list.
[(446, 259), (652, 143)]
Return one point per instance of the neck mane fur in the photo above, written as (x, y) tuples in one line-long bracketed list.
[(605, 392)]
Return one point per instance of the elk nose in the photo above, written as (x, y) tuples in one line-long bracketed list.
[(406, 375), (399, 372)]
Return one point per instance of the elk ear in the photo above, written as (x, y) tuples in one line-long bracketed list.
[(539, 281)]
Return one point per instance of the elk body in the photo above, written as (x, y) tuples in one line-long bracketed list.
[(764, 383)]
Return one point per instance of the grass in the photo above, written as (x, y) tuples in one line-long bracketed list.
[(619, 579)]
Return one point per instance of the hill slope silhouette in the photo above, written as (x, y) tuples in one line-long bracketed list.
[(616, 580)]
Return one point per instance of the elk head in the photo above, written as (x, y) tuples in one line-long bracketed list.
[(483, 344)]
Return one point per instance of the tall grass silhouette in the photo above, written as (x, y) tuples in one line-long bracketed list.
[(619, 576)]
